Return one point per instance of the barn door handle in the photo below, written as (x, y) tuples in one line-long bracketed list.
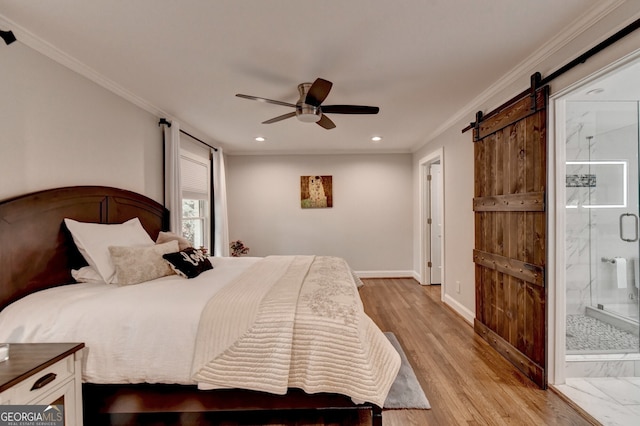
[(635, 227)]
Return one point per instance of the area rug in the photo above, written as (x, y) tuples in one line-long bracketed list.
[(406, 392)]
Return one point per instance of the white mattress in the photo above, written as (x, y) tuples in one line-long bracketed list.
[(87, 313)]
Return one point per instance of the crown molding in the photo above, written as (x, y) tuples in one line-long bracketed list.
[(579, 26), (52, 52), (47, 49)]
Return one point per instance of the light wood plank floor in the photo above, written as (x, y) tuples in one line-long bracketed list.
[(465, 380)]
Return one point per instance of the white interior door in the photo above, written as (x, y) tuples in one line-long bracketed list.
[(435, 171)]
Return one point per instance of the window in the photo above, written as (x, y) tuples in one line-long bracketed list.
[(195, 170)]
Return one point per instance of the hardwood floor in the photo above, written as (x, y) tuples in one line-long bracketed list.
[(465, 380)]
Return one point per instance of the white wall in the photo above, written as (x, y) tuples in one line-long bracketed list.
[(57, 128), (370, 222), (457, 161), (458, 148)]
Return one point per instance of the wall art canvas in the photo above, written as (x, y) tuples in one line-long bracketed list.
[(316, 192)]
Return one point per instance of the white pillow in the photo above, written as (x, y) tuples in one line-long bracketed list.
[(86, 274), (93, 241)]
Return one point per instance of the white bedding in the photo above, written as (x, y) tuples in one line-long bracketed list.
[(307, 329), (94, 313), (302, 313)]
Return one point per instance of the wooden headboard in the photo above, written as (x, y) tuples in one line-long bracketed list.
[(36, 249)]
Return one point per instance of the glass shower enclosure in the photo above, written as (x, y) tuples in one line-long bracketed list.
[(602, 241)]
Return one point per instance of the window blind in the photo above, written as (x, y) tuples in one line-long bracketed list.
[(195, 178)]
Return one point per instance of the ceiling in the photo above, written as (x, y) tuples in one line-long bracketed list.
[(423, 62)]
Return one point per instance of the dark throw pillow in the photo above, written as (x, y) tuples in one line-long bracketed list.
[(189, 262)]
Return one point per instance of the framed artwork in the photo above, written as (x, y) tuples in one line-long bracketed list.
[(316, 192)]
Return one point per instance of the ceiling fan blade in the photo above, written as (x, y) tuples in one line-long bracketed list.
[(326, 122), (280, 118), (318, 92), (349, 109), (269, 101)]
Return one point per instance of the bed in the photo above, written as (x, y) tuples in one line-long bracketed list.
[(302, 342)]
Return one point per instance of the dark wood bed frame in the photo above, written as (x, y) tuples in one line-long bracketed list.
[(37, 252)]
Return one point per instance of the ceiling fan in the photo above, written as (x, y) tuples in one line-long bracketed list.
[(309, 108)]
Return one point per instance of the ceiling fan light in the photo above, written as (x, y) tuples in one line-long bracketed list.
[(308, 113), (309, 118)]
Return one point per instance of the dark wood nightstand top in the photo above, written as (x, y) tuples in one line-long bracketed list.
[(27, 359)]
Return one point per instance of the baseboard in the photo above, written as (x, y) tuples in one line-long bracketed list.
[(461, 310), (385, 274)]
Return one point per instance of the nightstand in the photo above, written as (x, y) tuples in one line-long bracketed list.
[(44, 374)]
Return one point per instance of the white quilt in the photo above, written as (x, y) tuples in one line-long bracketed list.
[(274, 323)]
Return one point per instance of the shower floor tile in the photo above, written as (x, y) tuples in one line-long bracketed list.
[(586, 333)]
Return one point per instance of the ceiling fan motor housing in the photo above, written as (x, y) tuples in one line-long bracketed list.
[(305, 112), (308, 108)]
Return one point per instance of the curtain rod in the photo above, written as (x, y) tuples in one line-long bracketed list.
[(577, 61), (168, 124)]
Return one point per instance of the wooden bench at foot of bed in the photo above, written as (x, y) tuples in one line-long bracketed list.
[(177, 404)]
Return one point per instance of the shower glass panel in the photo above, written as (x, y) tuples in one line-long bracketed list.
[(602, 210)]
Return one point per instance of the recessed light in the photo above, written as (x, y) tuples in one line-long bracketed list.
[(260, 139), (595, 91), (376, 139)]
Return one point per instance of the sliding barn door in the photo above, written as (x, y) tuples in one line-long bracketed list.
[(510, 232)]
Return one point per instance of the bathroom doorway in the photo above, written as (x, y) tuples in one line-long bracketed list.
[(596, 348), (596, 249)]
